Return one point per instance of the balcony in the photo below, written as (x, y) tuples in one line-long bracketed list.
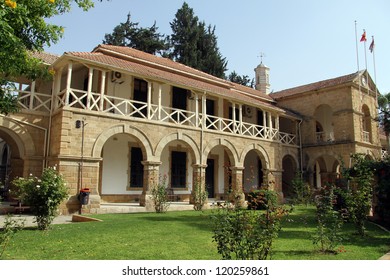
[(366, 137), (100, 103), (156, 112)]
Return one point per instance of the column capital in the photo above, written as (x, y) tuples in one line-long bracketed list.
[(237, 168), (199, 165), (151, 163)]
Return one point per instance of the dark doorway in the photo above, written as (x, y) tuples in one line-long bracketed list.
[(210, 111), (140, 94), (210, 177)]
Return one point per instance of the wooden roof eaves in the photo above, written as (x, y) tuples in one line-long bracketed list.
[(221, 83)]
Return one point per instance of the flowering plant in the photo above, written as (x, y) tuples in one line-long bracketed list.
[(43, 195)]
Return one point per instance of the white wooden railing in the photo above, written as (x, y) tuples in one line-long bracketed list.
[(131, 108), (33, 101)]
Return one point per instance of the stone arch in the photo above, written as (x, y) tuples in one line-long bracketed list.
[(118, 129), (181, 137), (19, 139), (323, 116), (366, 124), (261, 152), (230, 149)]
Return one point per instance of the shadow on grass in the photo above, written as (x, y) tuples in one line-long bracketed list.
[(201, 221)]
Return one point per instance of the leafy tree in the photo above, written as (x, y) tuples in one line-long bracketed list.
[(23, 30), (242, 80), (195, 45), (144, 39), (384, 114)]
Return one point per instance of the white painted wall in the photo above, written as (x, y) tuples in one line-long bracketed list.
[(251, 173), (115, 177)]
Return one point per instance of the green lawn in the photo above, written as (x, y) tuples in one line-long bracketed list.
[(183, 235)]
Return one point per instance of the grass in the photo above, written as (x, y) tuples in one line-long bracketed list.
[(185, 235)]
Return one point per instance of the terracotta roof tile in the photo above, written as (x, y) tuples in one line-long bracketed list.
[(315, 86), (47, 58)]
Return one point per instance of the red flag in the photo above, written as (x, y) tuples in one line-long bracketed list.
[(372, 45), (363, 39)]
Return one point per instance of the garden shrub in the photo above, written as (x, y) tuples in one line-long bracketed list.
[(359, 196), (159, 196), (329, 220), (43, 195), (302, 190), (10, 228), (382, 190), (258, 199), (199, 196), (247, 234)]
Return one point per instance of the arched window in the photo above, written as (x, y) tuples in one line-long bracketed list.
[(366, 124)]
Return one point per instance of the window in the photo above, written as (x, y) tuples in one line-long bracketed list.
[(237, 112), (210, 111), (179, 101), (178, 169), (136, 168), (260, 118), (140, 94)]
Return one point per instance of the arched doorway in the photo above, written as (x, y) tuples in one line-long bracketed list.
[(218, 173), (253, 171), (177, 159), (326, 169), (122, 172), (289, 167)]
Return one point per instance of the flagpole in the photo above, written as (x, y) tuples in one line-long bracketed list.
[(357, 48), (365, 58), (372, 48), (365, 52)]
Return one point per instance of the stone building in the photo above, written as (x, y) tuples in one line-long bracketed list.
[(117, 120)]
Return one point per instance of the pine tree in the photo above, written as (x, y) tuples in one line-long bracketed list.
[(185, 37), (242, 80), (195, 45), (144, 39)]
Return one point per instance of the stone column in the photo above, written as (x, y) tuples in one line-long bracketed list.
[(275, 183), (237, 195), (151, 179), (198, 179)]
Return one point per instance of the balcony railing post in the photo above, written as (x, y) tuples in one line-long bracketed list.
[(149, 101), (32, 95), (102, 88), (204, 115), (234, 117), (196, 110), (240, 118), (89, 89), (159, 101), (68, 83)]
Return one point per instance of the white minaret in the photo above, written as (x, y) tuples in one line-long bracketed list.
[(262, 78)]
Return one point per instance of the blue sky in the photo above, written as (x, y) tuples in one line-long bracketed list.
[(303, 41)]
